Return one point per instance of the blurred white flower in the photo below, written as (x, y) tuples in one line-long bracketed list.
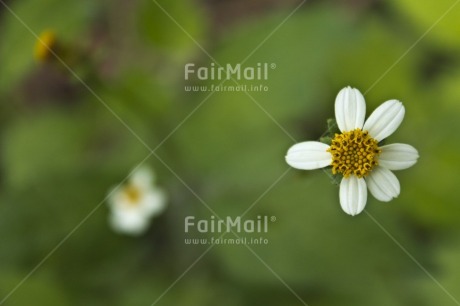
[(134, 204), (355, 152)]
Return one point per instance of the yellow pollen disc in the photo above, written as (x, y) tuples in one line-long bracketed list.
[(133, 194), (44, 44), (354, 152)]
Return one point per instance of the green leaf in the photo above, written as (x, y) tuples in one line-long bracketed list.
[(44, 146), (37, 290), (441, 18), (172, 25)]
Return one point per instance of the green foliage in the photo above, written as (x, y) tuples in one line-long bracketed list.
[(39, 290), (61, 154), (70, 20), (447, 270), (175, 30), (47, 145), (440, 18)]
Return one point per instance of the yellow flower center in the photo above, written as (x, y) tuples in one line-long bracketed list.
[(133, 194), (45, 42), (354, 152)]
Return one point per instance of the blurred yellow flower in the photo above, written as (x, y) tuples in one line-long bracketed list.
[(44, 45)]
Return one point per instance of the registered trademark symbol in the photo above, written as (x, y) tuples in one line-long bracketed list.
[(272, 218), (273, 66)]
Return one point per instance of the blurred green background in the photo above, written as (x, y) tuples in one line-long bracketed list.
[(62, 149)]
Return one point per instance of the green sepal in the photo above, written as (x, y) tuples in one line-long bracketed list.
[(332, 126), (334, 178), (326, 139), (332, 129)]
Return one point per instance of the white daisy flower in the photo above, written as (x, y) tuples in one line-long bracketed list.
[(133, 205), (355, 152)]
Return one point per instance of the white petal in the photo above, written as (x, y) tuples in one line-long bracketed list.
[(350, 109), (398, 156), (383, 184), (142, 178), (385, 119), (353, 195), (309, 155), (128, 222), (153, 202), (116, 198)]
